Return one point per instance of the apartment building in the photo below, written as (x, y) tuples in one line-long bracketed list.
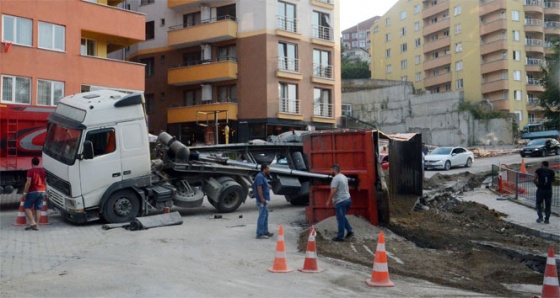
[(492, 50), (359, 35), (236, 70), (51, 49)]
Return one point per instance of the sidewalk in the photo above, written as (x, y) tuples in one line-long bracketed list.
[(517, 214)]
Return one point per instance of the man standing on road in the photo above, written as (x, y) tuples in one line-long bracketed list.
[(544, 177), (34, 192), (262, 196), (342, 201)]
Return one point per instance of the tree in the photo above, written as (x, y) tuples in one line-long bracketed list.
[(354, 69), (550, 99)]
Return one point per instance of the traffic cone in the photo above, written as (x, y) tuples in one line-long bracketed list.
[(310, 263), (280, 265), (21, 220), (550, 287), (522, 169), (44, 220), (380, 273)]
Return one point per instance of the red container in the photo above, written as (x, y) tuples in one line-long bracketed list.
[(354, 152)]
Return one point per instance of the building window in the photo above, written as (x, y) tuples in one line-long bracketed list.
[(287, 16), (322, 64), (288, 98), (416, 26), (51, 36), (322, 25), (150, 30), (403, 15), (516, 35), (17, 30), (516, 55), (49, 92), (376, 29), (322, 105), (404, 78), (417, 59), (418, 76), (459, 84), (354, 44), (417, 9), (389, 69), (227, 53), (417, 43), (403, 47), (517, 94), (146, 2), (149, 102), (387, 37), (435, 55), (517, 75), (457, 10), (458, 28), (404, 64), (88, 47), (387, 21), (388, 53), (519, 115), (16, 89), (346, 36), (458, 47), (446, 33), (459, 65), (227, 93), (403, 31), (515, 15), (191, 19), (149, 70), (362, 43), (288, 57)]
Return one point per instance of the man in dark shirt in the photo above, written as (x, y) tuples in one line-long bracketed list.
[(544, 177)]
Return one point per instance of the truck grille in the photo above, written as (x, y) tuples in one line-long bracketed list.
[(58, 184), (55, 198)]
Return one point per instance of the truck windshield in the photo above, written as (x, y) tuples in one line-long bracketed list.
[(61, 143)]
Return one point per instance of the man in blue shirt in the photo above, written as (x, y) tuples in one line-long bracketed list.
[(262, 196)]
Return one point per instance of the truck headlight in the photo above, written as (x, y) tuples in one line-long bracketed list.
[(69, 203)]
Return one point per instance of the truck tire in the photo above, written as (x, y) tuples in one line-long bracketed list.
[(122, 206), (297, 200), (232, 195)]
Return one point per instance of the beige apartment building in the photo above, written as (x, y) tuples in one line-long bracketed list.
[(237, 70), (492, 50)]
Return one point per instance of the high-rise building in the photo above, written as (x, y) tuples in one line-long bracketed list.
[(491, 50), (236, 70), (359, 35), (55, 48)]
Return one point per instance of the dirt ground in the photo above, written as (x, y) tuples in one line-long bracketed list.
[(453, 243)]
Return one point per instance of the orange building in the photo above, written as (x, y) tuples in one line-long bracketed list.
[(51, 49)]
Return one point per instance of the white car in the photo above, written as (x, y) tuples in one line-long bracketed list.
[(447, 157)]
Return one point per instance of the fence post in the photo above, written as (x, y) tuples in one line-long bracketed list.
[(517, 185)]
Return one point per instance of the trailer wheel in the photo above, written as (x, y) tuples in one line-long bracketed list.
[(232, 195), (122, 206)]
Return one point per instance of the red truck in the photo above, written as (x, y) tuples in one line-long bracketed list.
[(22, 134)]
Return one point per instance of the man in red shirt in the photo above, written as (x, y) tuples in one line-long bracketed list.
[(34, 193)]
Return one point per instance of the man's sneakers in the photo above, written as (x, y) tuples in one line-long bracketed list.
[(546, 221), (336, 239), (349, 235), (262, 237), (269, 234), (539, 220)]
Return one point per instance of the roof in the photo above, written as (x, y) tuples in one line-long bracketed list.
[(364, 25)]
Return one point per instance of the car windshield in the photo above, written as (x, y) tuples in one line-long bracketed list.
[(61, 143), (536, 142), (442, 151)]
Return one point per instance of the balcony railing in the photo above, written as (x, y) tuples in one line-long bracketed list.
[(289, 105), (205, 61), (533, 82), (533, 61), (532, 3), (533, 42), (287, 24), (552, 5), (326, 1), (322, 32), (323, 110), (288, 64), (202, 22), (552, 24), (322, 71), (533, 22)]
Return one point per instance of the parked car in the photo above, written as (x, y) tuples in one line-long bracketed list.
[(540, 147), (447, 157)]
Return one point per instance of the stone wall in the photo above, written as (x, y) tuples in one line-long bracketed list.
[(392, 107)]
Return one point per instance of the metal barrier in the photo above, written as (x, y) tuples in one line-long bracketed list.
[(519, 184)]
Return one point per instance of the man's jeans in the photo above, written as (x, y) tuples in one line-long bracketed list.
[(262, 222), (341, 209), (546, 196)]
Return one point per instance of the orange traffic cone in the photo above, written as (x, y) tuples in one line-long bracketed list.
[(44, 220), (522, 169), (380, 273), (310, 263), (21, 220), (550, 284), (280, 264)]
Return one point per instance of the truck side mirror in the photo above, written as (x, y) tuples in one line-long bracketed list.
[(88, 150)]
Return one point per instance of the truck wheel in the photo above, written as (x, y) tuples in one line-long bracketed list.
[(232, 195), (122, 206), (522, 154), (298, 200)]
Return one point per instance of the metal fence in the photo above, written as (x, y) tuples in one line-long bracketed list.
[(519, 184)]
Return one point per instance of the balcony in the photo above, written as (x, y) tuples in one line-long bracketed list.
[(204, 72), (534, 65), (551, 28), (328, 4), (534, 85), (533, 6), (323, 110), (492, 66), (437, 44), (433, 10), (323, 36), (322, 74), (534, 45), (492, 6), (552, 8), (207, 31), (287, 27), (289, 108), (288, 68), (180, 5), (437, 80), (227, 111), (534, 25), (500, 104), (494, 86), (105, 72), (437, 62), (493, 26), (493, 46), (118, 26), (435, 27)]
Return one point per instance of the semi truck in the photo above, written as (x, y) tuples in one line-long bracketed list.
[(99, 164), (22, 133)]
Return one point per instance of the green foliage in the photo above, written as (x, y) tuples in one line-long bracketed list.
[(550, 99), (354, 69), (478, 113)]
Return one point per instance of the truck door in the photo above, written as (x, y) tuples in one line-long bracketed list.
[(135, 150), (97, 174)]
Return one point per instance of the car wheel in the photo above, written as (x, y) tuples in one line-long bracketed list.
[(447, 165), (469, 163), (522, 154)]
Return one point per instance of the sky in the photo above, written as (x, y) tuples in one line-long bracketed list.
[(354, 11)]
